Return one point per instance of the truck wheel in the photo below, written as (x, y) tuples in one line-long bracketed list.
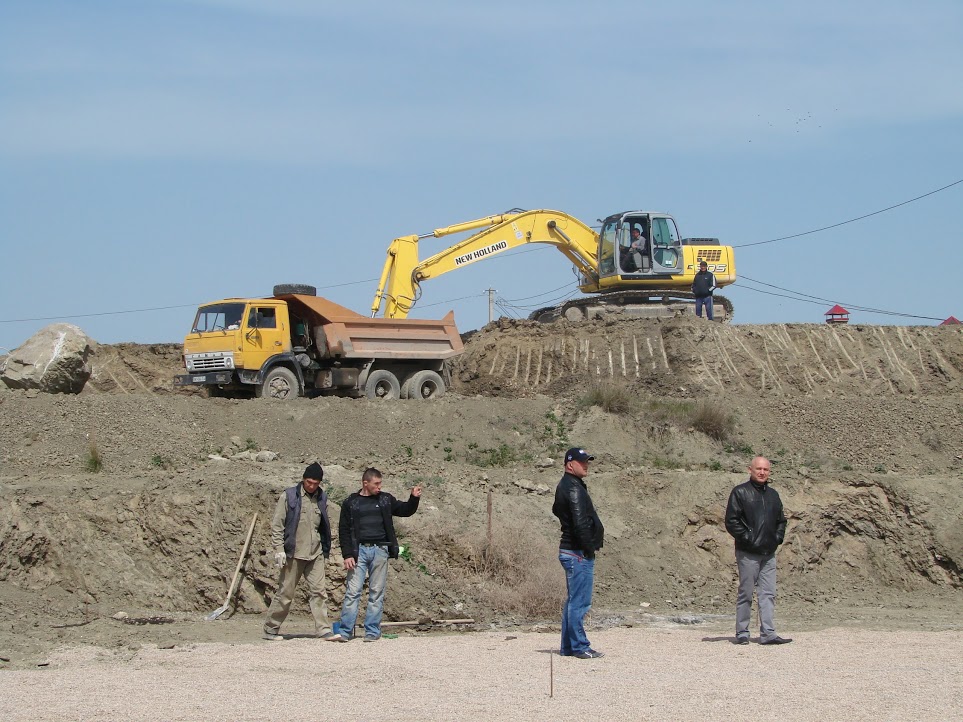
[(425, 385), (382, 384), (280, 383), (303, 289)]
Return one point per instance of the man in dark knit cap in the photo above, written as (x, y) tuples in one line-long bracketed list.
[(301, 537)]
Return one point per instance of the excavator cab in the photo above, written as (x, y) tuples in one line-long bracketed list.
[(639, 244)]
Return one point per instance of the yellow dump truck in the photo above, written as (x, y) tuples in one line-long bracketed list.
[(299, 344)]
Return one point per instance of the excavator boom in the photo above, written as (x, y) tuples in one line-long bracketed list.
[(399, 286)]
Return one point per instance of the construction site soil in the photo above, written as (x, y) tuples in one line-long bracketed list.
[(863, 424)]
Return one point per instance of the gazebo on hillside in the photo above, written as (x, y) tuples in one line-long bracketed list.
[(837, 314)]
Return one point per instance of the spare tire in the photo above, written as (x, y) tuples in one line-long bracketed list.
[(285, 289)]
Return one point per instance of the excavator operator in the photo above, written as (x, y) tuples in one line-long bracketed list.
[(634, 257)]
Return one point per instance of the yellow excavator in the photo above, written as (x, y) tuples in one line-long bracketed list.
[(636, 265)]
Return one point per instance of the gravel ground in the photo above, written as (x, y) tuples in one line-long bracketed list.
[(678, 673)]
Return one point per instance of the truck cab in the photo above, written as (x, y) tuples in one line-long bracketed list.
[(233, 340)]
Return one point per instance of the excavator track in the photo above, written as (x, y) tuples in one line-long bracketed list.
[(632, 304)]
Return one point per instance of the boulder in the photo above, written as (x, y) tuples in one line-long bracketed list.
[(53, 360)]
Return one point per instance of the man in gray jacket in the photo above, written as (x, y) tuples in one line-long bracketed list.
[(301, 537), (755, 519)]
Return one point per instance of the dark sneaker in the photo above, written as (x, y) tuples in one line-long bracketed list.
[(776, 640), (588, 654), (272, 636), (371, 637), (742, 640)]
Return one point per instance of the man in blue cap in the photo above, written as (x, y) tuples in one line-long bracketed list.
[(582, 534)]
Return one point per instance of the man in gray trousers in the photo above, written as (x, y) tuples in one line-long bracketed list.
[(301, 537), (755, 519)]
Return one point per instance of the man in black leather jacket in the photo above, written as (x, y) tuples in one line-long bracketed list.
[(755, 519), (582, 535)]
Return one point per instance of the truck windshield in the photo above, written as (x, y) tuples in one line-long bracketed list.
[(218, 317)]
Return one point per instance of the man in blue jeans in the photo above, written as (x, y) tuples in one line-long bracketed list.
[(582, 534), (367, 536), (703, 285)]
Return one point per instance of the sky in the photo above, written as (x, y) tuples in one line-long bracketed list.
[(157, 154)]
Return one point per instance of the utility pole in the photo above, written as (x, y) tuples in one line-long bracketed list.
[(491, 304)]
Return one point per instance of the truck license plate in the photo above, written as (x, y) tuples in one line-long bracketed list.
[(198, 379)]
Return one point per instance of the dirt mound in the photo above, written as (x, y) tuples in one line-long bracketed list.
[(127, 368), (872, 481), (689, 354)]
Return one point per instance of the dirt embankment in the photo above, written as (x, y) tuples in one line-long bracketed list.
[(867, 456)]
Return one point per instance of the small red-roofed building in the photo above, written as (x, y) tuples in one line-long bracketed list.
[(951, 321), (837, 314)]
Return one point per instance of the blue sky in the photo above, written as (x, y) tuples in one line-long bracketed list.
[(156, 154)]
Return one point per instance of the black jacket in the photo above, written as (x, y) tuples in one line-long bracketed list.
[(581, 527), (349, 522), (755, 518), (703, 284)]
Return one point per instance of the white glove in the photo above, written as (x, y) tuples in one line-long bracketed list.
[(280, 558)]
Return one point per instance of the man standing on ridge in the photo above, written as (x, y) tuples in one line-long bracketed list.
[(367, 536), (755, 519), (301, 536), (702, 287), (582, 534)]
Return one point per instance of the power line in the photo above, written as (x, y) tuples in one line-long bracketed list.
[(851, 220), (538, 295), (144, 310), (100, 313), (451, 300), (807, 298)]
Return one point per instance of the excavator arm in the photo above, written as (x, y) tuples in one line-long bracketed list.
[(399, 287)]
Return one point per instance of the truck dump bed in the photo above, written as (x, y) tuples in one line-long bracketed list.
[(347, 334)]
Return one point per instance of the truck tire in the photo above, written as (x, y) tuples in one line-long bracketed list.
[(279, 383), (382, 384), (303, 289), (424, 385)]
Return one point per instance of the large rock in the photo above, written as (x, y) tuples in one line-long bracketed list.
[(53, 360)]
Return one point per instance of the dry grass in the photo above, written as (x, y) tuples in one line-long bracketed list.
[(609, 397), (93, 462), (712, 419), (517, 573)]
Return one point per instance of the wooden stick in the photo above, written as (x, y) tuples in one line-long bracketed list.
[(489, 520), (416, 623), (551, 674), (240, 562)]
